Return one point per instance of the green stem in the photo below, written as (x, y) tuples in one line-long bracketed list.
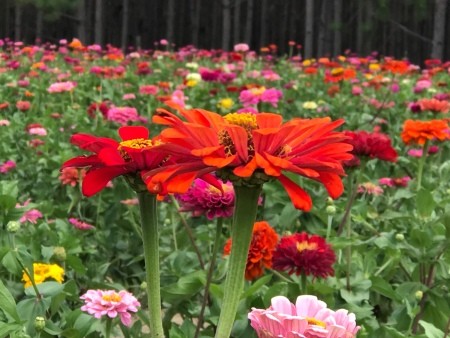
[(304, 283), (421, 165), (108, 327), (150, 238), (241, 235), (210, 275)]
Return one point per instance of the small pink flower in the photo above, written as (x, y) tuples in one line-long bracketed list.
[(60, 87), (163, 42), (415, 152), (148, 90), (395, 182), (241, 47), (370, 189), (80, 225), (131, 201), (357, 90), (129, 96), (272, 96), (7, 166), (110, 303), (122, 115), (31, 216), (178, 98), (23, 105), (37, 131), (4, 123), (422, 85)]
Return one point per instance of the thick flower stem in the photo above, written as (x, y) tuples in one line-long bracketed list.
[(241, 236), (421, 165), (150, 238)]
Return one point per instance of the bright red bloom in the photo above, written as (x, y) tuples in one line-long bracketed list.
[(372, 145), (252, 147), (136, 154), (262, 246), (303, 254)]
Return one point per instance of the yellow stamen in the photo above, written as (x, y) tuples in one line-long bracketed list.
[(138, 143), (112, 298), (245, 120), (258, 91), (301, 246), (314, 321)]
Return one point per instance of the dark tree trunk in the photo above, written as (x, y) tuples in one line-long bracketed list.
[(226, 24), (99, 22), (195, 21), (170, 20), (237, 22), (125, 15), (439, 29), (263, 22), (309, 29), (360, 26), (81, 24), (337, 39), (39, 23), (249, 22), (17, 21)]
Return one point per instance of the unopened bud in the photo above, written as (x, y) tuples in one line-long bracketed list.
[(330, 201), (167, 221), (419, 295), (39, 323), (400, 237), (13, 226), (330, 210), (59, 253), (143, 286)]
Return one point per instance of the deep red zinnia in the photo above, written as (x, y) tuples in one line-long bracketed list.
[(371, 145), (301, 253), (134, 155)]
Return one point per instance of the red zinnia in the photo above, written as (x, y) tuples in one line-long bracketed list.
[(251, 147), (134, 155), (372, 145), (303, 254), (264, 241)]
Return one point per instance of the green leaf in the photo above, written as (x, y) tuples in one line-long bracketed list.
[(431, 331), (46, 289), (383, 288), (425, 203), (185, 287), (256, 286), (7, 328), (393, 333), (7, 303), (76, 264)]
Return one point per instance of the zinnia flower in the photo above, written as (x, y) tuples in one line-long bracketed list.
[(71, 176), (371, 145), (122, 115), (43, 272), (110, 303), (418, 132), (134, 155), (7, 166), (31, 216), (264, 241), (301, 253), (395, 182), (251, 147), (60, 87), (80, 225), (308, 318), (434, 105), (204, 198), (370, 189)]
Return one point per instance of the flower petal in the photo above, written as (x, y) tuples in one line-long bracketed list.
[(299, 197), (133, 132), (96, 180)]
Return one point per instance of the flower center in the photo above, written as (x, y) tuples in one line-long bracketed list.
[(305, 245), (337, 71), (258, 91), (114, 297), (138, 143), (314, 321), (245, 120)]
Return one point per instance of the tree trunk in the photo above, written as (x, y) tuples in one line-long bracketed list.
[(323, 26), (337, 44), (249, 22), (99, 22), (309, 29), (263, 22), (124, 33), (440, 10), (195, 21), (226, 24), (81, 24), (170, 20), (237, 22), (283, 33), (17, 21), (39, 22), (360, 27)]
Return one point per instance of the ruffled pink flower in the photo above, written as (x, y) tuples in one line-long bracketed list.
[(80, 225), (179, 98), (148, 90), (110, 303), (422, 85), (308, 318), (204, 199), (4, 123), (395, 182), (31, 216), (417, 152), (60, 87), (37, 131), (241, 47), (370, 189), (7, 166), (253, 96), (272, 96), (122, 115)]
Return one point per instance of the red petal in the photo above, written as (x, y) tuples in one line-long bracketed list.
[(299, 197), (268, 120), (332, 183), (133, 132), (110, 157), (247, 170), (82, 161), (240, 139), (96, 180)]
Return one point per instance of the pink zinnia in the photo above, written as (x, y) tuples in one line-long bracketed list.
[(241, 47), (255, 95), (308, 318), (395, 182), (148, 90), (23, 105), (203, 198), (59, 87), (31, 216), (370, 189), (4, 123), (110, 303), (80, 225), (178, 98), (37, 131), (7, 166), (122, 115)]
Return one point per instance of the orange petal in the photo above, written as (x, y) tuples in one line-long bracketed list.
[(299, 197), (268, 120), (247, 170), (332, 183)]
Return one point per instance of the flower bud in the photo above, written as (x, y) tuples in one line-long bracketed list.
[(13, 227), (419, 295), (330, 210), (143, 286), (330, 201), (400, 237), (39, 323), (59, 253), (167, 221)]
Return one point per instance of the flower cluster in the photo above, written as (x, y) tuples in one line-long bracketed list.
[(43, 272)]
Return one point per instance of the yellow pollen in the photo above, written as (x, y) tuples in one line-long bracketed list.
[(258, 91), (137, 143), (245, 120), (301, 246), (113, 298), (314, 321), (337, 71)]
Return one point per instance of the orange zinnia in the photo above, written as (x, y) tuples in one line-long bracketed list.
[(416, 131), (262, 247), (253, 148)]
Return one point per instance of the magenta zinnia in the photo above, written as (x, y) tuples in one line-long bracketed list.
[(301, 253)]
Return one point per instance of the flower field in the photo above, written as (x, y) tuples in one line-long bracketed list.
[(202, 193)]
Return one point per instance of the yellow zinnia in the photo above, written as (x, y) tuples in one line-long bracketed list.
[(42, 272)]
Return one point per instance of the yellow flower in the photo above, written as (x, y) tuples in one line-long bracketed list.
[(194, 76), (310, 105), (191, 83), (374, 67), (307, 63), (42, 272), (226, 103)]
